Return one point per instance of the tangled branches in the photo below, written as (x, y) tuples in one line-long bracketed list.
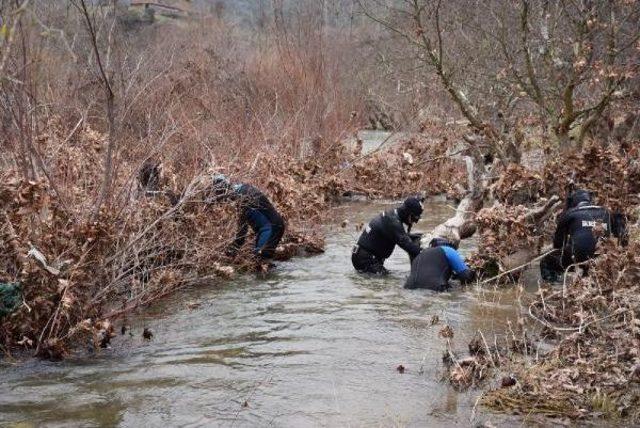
[(417, 163), (145, 245), (611, 174), (517, 186), (593, 369), (506, 229), (514, 230)]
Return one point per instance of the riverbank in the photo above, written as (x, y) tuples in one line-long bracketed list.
[(311, 344), (112, 125), (143, 248), (526, 373)]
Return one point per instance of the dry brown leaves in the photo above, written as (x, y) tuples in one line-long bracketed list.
[(592, 370), (141, 248), (517, 186), (417, 164), (611, 174), (504, 228), (54, 303)]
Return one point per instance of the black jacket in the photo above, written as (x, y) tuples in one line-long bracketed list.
[(383, 233), (255, 210), (575, 230)]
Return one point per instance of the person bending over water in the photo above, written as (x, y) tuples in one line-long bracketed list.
[(434, 266), (383, 233), (574, 240), (255, 211)]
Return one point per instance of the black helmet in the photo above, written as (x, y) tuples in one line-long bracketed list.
[(412, 209), (578, 196)]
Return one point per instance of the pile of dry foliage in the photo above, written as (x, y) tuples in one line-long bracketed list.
[(611, 174), (593, 324), (574, 352), (419, 163), (78, 271)]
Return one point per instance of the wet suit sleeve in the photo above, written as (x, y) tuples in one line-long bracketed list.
[(457, 264), (619, 228), (404, 241), (562, 231), (241, 235), (455, 261)]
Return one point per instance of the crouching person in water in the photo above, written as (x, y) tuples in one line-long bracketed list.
[(574, 240), (383, 233), (255, 211), (434, 266)]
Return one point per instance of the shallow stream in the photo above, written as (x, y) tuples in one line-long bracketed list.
[(314, 344)]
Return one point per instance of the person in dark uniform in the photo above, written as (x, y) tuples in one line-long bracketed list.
[(383, 233), (434, 266), (255, 211), (574, 241)]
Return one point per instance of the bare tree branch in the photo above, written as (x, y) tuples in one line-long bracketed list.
[(105, 187)]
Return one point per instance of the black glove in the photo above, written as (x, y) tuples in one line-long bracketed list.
[(416, 237), (466, 276)]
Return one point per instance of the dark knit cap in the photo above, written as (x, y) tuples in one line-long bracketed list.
[(413, 206)]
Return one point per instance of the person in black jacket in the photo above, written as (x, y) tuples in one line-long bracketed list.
[(383, 233), (434, 266), (255, 211), (574, 241)]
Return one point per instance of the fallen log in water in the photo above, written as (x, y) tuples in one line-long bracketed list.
[(460, 225)]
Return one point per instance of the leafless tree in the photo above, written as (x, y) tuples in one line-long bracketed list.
[(512, 66), (90, 22)]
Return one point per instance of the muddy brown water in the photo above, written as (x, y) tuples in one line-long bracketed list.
[(314, 344)]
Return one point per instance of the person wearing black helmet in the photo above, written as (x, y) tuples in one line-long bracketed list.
[(383, 233), (574, 240), (434, 266), (255, 211)]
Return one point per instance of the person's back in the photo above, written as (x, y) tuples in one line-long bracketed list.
[(255, 211), (383, 233), (434, 267), (256, 207), (574, 240), (575, 230), (379, 236), (429, 269)]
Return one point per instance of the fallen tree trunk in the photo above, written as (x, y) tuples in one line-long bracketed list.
[(461, 224)]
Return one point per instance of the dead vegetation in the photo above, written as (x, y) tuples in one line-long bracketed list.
[(110, 134), (77, 273), (514, 230), (418, 163), (87, 105), (574, 352), (593, 369)]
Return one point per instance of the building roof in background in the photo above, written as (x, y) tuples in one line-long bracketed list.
[(171, 5)]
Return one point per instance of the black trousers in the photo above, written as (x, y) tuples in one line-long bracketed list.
[(365, 262), (553, 265)]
